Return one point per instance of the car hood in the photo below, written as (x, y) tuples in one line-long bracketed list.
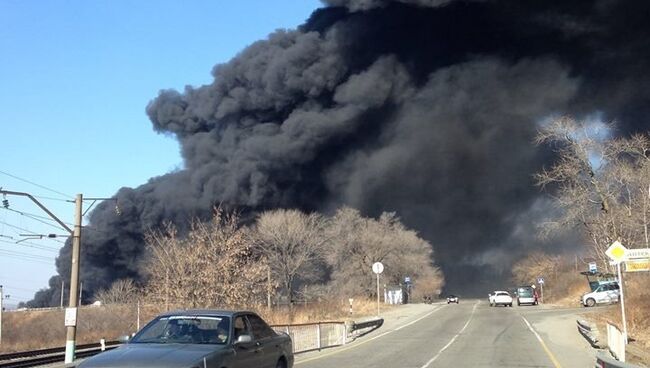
[(152, 355)]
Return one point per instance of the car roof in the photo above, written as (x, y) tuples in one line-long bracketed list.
[(204, 312)]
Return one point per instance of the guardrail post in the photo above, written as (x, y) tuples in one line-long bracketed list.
[(102, 344), (318, 336)]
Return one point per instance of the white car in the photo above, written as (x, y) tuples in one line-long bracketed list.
[(604, 294), (501, 298)]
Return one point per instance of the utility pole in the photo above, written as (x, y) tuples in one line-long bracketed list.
[(71, 312)]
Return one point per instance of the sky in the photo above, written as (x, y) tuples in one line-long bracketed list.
[(75, 78)]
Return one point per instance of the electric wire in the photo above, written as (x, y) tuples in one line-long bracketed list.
[(35, 218), (52, 224), (35, 184)]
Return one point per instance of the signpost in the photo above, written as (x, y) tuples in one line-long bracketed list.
[(377, 268), (540, 281), (593, 268), (617, 252)]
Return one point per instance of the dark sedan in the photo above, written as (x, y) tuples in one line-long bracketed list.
[(201, 339)]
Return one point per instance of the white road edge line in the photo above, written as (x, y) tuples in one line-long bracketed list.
[(353, 345), (453, 338)]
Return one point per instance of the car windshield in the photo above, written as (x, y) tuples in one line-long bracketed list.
[(185, 329), (525, 292)]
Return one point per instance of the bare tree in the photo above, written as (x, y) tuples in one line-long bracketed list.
[(601, 184), (358, 242), (120, 292), (292, 244), (213, 265)]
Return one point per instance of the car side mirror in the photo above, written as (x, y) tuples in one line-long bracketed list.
[(243, 339), (124, 339)]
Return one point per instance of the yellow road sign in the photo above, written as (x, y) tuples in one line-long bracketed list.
[(616, 252), (637, 265)]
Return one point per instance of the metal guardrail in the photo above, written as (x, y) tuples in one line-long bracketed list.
[(604, 360), (314, 336), (590, 333), (372, 323)]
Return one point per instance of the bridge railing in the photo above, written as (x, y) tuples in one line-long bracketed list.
[(321, 335), (616, 342)]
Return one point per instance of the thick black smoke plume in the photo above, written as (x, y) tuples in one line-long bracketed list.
[(427, 108)]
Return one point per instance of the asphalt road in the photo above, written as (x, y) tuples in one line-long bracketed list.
[(471, 334)]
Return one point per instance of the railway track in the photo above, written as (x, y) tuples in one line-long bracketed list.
[(48, 356)]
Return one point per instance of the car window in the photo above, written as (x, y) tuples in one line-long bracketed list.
[(186, 329), (241, 326), (260, 329)]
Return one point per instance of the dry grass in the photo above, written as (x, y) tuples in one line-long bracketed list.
[(568, 292), (30, 330), (637, 309)]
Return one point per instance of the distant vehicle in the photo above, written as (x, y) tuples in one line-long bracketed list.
[(452, 299), (526, 295), (606, 293), (201, 338), (502, 298)]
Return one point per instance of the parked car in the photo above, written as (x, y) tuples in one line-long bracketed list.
[(526, 295), (201, 338), (452, 299), (502, 298), (604, 294)]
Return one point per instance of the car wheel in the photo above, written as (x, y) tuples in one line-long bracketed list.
[(511, 305), (518, 304), (590, 302), (281, 364)]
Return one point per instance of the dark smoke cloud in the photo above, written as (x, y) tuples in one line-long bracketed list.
[(357, 5), (428, 108)]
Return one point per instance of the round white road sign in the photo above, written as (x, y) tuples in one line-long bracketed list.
[(377, 267)]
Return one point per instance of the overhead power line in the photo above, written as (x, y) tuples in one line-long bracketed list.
[(36, 184), (35, 218)]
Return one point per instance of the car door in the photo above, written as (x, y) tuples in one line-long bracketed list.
[(600, 295), (264, 338), (246, 354), (612, 293)]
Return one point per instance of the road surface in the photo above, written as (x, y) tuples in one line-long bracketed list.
[(470, 334)]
